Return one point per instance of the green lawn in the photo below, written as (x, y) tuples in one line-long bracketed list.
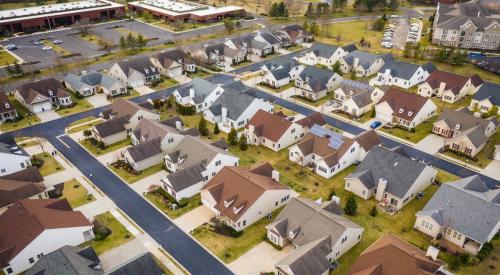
[(119, 235), (421, 131), (110, 148), (166, 83), (26, 121), (485, 156), (489, 266), (200, 74), (319, 102), (228, 248), (159, 202), (86, 124), (80, 106), (7, 58), (277, 90), (50, 164), (364, 118), (76, 194), (132, 94), (131, 178)]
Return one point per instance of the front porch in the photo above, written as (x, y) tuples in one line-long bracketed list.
[(470, 246)]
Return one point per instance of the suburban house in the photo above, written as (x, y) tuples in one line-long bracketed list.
[(136, 72), (13, 158), (404, 109), (318, 233), (401, 74), (199, 93), (361, 63), (88, 84), (278, 74), (120, 118), (240, 196), (391, 176), (277, 132), (43, 95), (322, 54), (328, 152), (285, 41), (8, 111), (463, 215), (192, 163), (296, 34), (314, 83), (249, 45), (173, 63), (33, 228), (66, 260), (390, 255), (24, 184), (357, 98), (269, 38), (463, 131), (221, 55), (235, 107), (449, 87), (487, 99), (144, 155)]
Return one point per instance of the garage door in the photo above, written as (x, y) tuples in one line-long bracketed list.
[(383, 117), (42, 107)]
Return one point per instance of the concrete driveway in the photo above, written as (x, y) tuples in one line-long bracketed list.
[(142, 186), (194, 218), (430, 144), (493, 169), (182, 79), (121, 254), (98, 100), (258, 260), (48, 115), (144, 90)]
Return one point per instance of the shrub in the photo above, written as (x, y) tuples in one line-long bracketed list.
[(373, 212), (485, 251), (35, 161), (351, 206), (100, 230), (243, 143), (183, 202)]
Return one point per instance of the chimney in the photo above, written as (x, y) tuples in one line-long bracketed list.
[(224, 113), (382, 184), (84, 72), (191, 92), (275, 175), (336, 199), (178, 125)]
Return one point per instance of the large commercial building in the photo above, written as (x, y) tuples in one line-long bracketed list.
[(470, 25), (47, 17), (173, 10)]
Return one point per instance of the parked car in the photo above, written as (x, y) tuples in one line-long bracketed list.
[(11, 47), (420, 195), (375, 124), (38, 42), (47, 48), (57, 41)]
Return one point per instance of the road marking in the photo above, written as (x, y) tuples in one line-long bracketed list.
[(59, 138)]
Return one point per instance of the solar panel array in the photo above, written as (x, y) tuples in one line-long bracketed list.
[(355, 84), (335, 140)]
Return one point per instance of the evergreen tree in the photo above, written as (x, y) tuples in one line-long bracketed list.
[(243, 143), (373, 112), (141, 43), (273, 12), (319, 9), (373, 212), (9, 70), (394, 5), (306, 26), (216, 129), (130, 41), (351, 206), (310, 11), (123, 44), (232, 137), (202, 127), (18, 70), (336, 68)]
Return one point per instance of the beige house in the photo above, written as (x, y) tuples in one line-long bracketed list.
[(361, 63), (487, 99), (357, 98), (449, 87), (463, 215), (389, 175)]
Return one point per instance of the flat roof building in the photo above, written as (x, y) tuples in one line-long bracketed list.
[(172, 10), (50, 16)]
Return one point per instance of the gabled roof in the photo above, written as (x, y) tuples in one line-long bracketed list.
[(279, 69), (359, 92), (404, 105), (236, 102), (187, 177), (368, 139), (141, 264), (20, 185), (122, 107), (145, 150), (403, 70), (5, 104), (269, 37), (323, 50), (166, 58), (89, 80), (350, 47), (310, 258), (316, 78), (467, 206), (295, 30), (390, 255), (489, 91), (48, 87), (453, 82), (201, 87), (142, 65), (8, 145), (25, 220), (112, 126), (365, 59), (67, 260), (399, 170), (481, 13), (268, 125), (314, 118), (241, 187), (148, 129)]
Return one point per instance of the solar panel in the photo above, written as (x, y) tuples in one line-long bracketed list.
[(334, 139)]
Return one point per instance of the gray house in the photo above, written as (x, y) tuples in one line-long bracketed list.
[(68, 260), (314, 83), (136, 72), (361, 63), (463, 214), (94, 82)]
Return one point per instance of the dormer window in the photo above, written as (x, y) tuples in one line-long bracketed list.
[(237, 210), (229, 201), (457, 127), (410, 113), (146, 70), (401, 110), (51, 93), (7, 105), (153, 69)]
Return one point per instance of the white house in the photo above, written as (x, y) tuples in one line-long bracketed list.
[(43, 95), (404, 109), (328, 152), (357, 98), (13, 158), (173, 63), (32, 228), (199, 93), (322, 54), (144, 155), (318, 233), (391, 176), (24, 184), (136, 72), (278, 74), (362, 63), (449, 87), (169, 131), (401, 74), (313, 83), (240, 196), (487, 99), (88, 84)]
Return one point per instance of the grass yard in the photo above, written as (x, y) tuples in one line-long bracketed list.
[(132, 93), (80, 106), (7, 58), (131, 178), (228, 248), (92, 38), (319, 102), (421, 131), (485, 267), (76, 194), (110, 148), (277, 90), (159, 202), (288, 112), (166, 83), (485, 156), (364, 118), (126, 32), (50, 164), (200, 74), (119, 234), (85, 124), (26, 121)]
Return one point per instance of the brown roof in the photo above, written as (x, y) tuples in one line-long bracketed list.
[(5, 104), (26, 219), (319, 146), (20, 185), (453, 82), (310, 120), (476, 80), (30, 90), (390, 255), (243, 185), (270, 126), (404, 105), (368, 139), (29, 174), (122, 107)]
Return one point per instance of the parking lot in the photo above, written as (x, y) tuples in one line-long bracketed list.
[(402, 31)]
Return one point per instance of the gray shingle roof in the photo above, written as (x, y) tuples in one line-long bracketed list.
[(481, 13), (8, 145), (187, 177), (111, 127), (323, 50), (90, 80), (490, 91), (467, 206), (141, 264), (308, 259), (403, 70), (317, 78), (202, 88), (269, 37), (280, 69), (145, 150), (399, 170), (142, 65), (365, 59), (236, 102), (68, 260)]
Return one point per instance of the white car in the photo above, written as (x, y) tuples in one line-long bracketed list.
[(38, 42), (47, 48), (57, 41), (11, 47)]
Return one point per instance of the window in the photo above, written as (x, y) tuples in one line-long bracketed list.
[(3, 170), (293, 130), (31, 260), (9, 270), (22, 164), (217, 163)]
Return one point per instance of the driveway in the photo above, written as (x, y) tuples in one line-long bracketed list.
[(430, 144), (493, 169), (98, 100), (142, 186), (48, 115), (259, 259), (121, 254), (182, 79), (144, 90), (194, 218)]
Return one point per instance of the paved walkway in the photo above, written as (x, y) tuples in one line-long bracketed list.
[(493, 169), (142, 185), (194, 218), (259, 259), (144, 90), (121, 254)]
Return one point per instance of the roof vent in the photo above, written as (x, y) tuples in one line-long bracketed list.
[(237, 210), (457, 127), (7, 105), (395, 164)]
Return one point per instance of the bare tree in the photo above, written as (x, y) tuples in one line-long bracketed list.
[(177, 24), (42, 142), (106, 45)]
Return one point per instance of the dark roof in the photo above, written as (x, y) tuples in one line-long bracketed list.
[(489, 91), (269, 37), (316, 78), (177, 55), (145, 150), (404, 105), (403, 70), (453, 82), (67, 260), (48, 87), (268, 125), (5, 104), (235, 101), (221, 143), (111, 127), (323, 50), (281, 69), (122, 107), (368, 140), (365, 59), (350, 48), (142, 65), (8, 145), (187, 177), (310, 120), (20, 185), (141, 264), (491, 64)]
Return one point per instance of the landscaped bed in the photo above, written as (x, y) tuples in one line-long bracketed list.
[(80, 105), (162, 200), (47, 164), (130, 176), (118, 235), (76, 194)]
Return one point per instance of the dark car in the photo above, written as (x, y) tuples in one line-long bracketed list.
[(375, 124), (420, 195)]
